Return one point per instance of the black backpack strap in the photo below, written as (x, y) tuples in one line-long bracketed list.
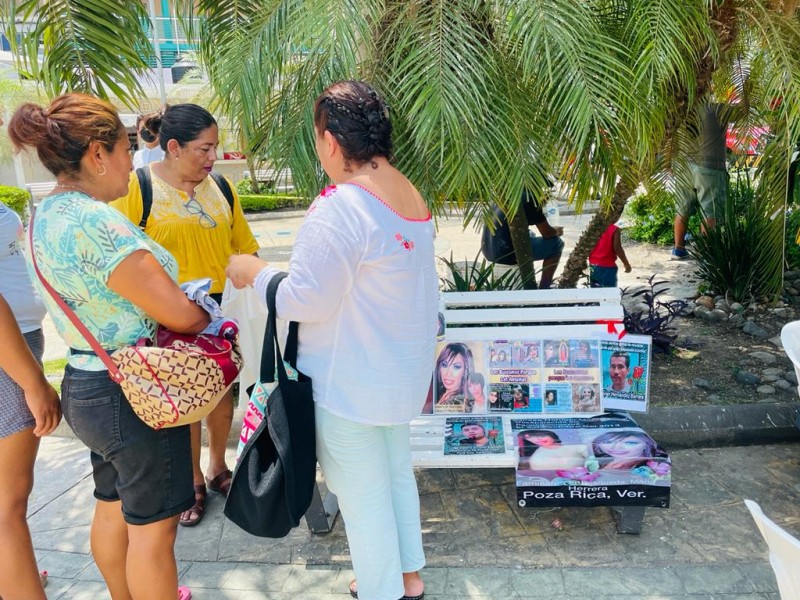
[(225, 188), (146, 185)]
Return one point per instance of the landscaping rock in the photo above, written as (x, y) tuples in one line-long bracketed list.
[(703, 384), (715, 316), (736, 320), (737, 307), (791, 275), (766, 357), (747, 378), (706, 301), (765, 389), (700, 311), (750, 328), (791, 377), (783, 313), (772, 371), (713, 399), (776, 341), (783, 384), (769, 378)]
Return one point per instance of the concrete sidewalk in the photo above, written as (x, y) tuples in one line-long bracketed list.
[(479, 543)]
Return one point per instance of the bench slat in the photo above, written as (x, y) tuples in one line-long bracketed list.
[(533, 297), (551, 314)]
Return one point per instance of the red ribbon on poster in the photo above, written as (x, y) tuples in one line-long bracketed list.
[(612, 326)]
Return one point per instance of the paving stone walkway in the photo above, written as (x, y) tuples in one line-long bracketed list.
[(479, 543)]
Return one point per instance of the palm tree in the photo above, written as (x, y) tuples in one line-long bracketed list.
[(488, 97), (95, 46)]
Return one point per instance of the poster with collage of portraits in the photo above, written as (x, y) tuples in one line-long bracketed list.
[(541, 376)]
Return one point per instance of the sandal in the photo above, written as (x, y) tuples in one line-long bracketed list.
[(193, 516), (43, 578), (221, 483), (184, 593), (354, 593)]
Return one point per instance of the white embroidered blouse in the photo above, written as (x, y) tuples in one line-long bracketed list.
[(362, 284)]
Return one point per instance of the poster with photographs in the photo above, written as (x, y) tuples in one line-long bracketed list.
[(474, 435), (603, 460), (459, 384), (626, 373), (540, 376), (515, 375)]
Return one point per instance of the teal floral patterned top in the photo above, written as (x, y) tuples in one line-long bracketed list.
[(78, 243)]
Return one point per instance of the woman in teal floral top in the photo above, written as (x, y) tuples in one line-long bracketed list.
[(120, 284)]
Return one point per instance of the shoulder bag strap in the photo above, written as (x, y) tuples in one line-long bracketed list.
[(225, 188), (146, 185), (270, 351), (113, 371)]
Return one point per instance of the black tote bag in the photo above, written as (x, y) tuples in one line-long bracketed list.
[(274, 479)]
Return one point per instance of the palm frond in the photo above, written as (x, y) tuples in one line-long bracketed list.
[(92, 46)]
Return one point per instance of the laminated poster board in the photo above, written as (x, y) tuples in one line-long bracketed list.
[(541, 376), (471, 435), (603, 460)]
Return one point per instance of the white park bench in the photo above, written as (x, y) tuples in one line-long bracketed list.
[(38, 191), (570, 313)]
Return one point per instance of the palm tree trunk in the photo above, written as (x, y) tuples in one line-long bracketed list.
[(723, 22), (521, 240), (576, 264)]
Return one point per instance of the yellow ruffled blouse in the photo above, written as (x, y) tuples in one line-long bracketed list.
[(200, 232)]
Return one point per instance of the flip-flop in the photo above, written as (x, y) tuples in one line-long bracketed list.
[(197, 510), (184, 593), (221, 483)]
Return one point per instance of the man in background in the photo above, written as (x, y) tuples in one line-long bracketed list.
[(547, 246)]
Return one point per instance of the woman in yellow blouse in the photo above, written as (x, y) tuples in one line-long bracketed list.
[(191, 217)]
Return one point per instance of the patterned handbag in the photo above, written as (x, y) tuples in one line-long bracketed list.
[(173, 380)]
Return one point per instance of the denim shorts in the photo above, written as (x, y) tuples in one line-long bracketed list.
[(602, 276), (149, 471)]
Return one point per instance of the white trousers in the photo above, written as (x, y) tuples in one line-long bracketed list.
[(369, 469)]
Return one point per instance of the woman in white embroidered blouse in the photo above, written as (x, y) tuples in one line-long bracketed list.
[(362, 283)]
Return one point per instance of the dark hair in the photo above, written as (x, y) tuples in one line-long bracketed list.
[(180, 122), (150, 125), (358, 118), (473, 424), (62, 132), (447, 355), (621, 354)]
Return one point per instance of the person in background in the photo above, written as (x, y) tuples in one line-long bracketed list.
[(191, 218), (147, 126), (120, 284), (362, 284), (547, 247), (706, 182), (603, 259), (29, 409)]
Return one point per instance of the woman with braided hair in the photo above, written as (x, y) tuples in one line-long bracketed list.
[(362, 283)]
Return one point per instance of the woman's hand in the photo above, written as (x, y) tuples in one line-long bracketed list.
[(243, 268), (45, 406)]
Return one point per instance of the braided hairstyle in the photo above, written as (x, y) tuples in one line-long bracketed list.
[(358, 118)]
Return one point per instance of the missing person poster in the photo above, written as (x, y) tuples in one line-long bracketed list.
[(540, 376), (626, 373), (459, 385), (604, 460), (471, 435)]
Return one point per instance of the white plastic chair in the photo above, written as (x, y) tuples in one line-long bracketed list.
[(790, 339), (784, 553)]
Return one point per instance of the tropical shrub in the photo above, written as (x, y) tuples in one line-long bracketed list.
[(15, 198), (742, 256), (651, 219), (656, 318), (478, 275), (252, 203), (791, 238)]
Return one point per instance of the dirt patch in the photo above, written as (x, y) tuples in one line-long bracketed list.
[(710, 354), (715, 353)]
